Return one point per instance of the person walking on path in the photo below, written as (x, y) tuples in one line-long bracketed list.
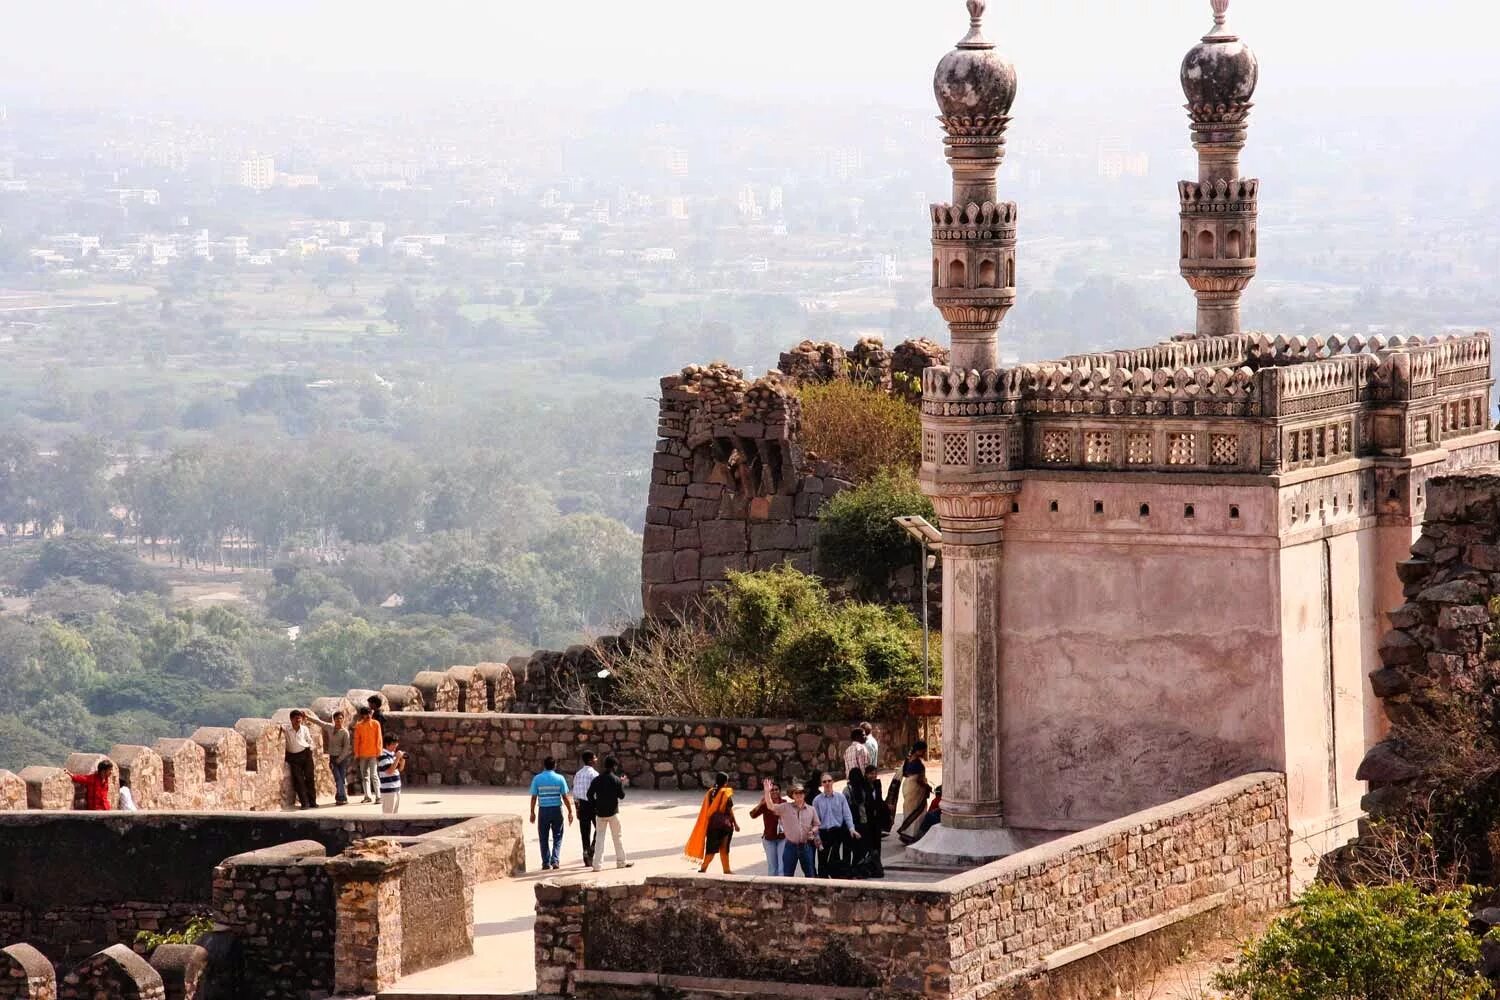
[(582, 779), (549, 794), (340, 746), (771, 837), (856, 754), (871, 743), (604, 795), (95, 787), (799, 828), (299, 761), (715, 827), (857, 792), (914, 787), (368, 740), (836, 831), (392, 762)]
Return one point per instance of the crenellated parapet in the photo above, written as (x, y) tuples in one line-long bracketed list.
[(1265, 405)]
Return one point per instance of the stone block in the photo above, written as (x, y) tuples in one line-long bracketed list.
[(324, 707), (1455, 592), (499, 685), (402, 697), (265, 744), (471, 691), (1398, 649), (140, 768), (182, 766), (439, 691), (669, 497), (685, 565), (723, 537), (12, 791), (360, 698), (773, 536), (1457, 616), (718, 567), (47, 787), (26, 974), (657, 567), (224, 752), (182, 968), (116, 973), (659, 536)]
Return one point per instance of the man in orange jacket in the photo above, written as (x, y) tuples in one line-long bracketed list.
[(368, 742)]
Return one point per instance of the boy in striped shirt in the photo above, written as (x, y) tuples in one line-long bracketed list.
[(391, 763)]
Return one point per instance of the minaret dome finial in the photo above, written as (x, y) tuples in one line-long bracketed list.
[(975, 38)]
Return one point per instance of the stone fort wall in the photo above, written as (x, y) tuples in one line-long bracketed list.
[(467, 724), (732, 487), (500, 749), (995, 931), (75, 882)]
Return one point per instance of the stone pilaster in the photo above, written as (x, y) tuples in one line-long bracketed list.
[(367, 942), (972, 796)]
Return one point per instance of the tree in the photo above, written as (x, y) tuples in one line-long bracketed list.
[(18, 484), (858, 540), (64, 717), (596, 562), (22, 744), (211, 660), (93, 559), (75, 484), (305, 591)]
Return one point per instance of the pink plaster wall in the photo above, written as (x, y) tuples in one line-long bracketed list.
[(1142, 655)]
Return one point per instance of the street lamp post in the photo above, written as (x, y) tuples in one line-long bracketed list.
[(926, 535)]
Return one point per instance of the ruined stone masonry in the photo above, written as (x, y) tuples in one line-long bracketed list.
[(732, 488), (1441, 642)]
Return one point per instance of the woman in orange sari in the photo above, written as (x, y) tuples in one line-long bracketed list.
[(716, 825)]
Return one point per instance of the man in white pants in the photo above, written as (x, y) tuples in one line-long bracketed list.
[(605, 794)]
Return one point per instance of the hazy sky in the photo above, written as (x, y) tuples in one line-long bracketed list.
[(276, 55)]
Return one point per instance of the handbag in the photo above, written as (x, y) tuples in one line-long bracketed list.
[(720, 822)]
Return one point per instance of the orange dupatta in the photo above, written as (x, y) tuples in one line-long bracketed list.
[(697, 842)]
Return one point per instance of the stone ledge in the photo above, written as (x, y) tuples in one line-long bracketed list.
[(1058, 849), (725, 986)]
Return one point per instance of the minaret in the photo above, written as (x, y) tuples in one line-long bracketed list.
[(974, 238), (972, 443), (1219, 210)]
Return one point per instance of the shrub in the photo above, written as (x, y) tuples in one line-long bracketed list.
[(197, 928), (773, 644), (860, 429), (1388, 942), (858, 539)]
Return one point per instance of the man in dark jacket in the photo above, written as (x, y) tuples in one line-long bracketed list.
[(604, 796)]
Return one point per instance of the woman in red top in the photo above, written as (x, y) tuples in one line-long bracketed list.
[(95, 787), (772, 839)]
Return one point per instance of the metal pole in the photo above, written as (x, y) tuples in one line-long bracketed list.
[(926, 653), (926, 650)]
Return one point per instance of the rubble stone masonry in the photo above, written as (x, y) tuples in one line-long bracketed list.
[(992, 929), (732, 488), (457, 748)]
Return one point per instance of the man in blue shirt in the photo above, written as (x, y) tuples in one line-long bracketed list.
[(835, 830), (549, 793)]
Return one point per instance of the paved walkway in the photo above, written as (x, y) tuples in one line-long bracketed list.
[(654, 826)]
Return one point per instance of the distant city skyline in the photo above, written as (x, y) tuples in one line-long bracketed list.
[(277, 56)]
